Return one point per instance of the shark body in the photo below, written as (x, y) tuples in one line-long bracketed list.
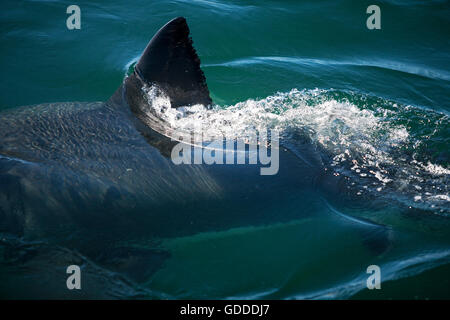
[(93, 176)]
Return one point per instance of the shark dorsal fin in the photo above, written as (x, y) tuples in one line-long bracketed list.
[(171, 62)]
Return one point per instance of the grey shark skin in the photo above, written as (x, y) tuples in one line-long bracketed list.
[(92, 176)]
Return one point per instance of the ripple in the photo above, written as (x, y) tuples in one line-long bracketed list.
[(388, 65)]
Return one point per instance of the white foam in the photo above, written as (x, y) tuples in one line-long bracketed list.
[(360, 139), (436, 169)]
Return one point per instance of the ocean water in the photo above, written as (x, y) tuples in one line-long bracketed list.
[(375, 103)]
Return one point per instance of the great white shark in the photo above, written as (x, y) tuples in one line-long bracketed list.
[(109, 157), (93, 176)]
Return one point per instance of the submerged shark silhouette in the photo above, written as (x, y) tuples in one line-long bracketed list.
[(93, 176)]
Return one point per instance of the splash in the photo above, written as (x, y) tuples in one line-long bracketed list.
[(379, 145)]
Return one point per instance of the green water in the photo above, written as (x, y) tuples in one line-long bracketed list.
[(300, 54)]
